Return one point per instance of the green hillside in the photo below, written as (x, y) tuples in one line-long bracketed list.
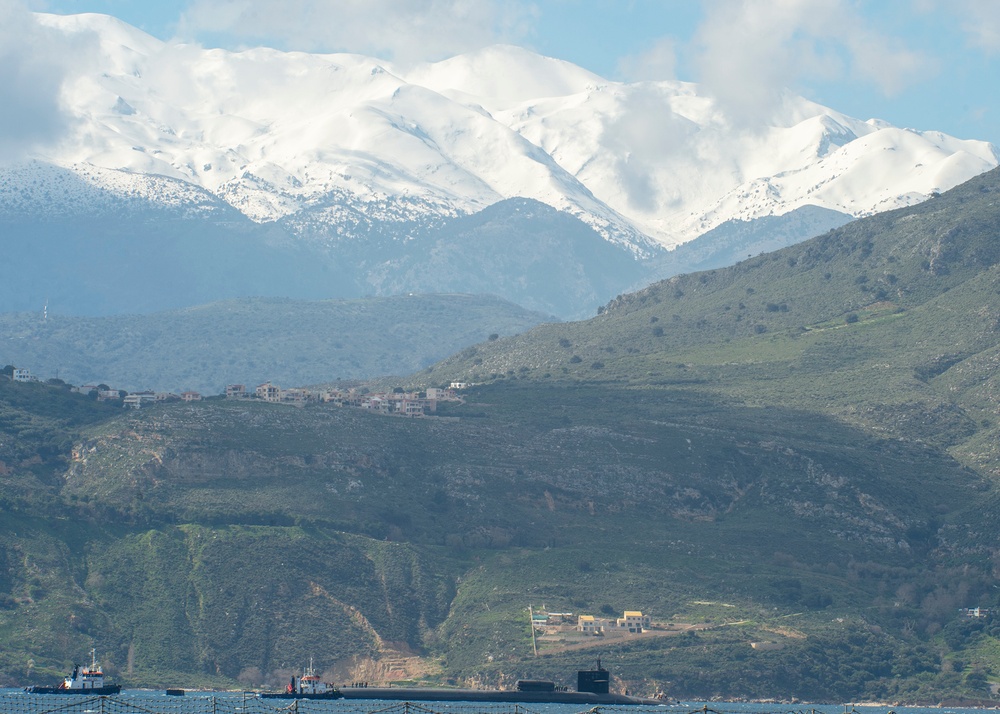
[(889, 323), (221, 540), (253, 340), (789, 464)]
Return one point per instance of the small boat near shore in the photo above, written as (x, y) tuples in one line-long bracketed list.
[(82, 680), (308, 686)]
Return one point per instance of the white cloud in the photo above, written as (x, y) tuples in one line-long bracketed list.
[(402, 30), (33, 70), (981, 21), (657, 63), (749, 51), (646, 136)]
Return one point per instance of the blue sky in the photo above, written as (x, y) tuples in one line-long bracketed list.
[(924, 64)]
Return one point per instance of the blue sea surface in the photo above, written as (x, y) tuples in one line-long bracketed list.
[(140, 701)]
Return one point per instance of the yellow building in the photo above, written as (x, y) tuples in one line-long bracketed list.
[(590, 625), (633, 621)]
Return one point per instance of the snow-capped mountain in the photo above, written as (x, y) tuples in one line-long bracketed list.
[(183, 175), (325, 142)]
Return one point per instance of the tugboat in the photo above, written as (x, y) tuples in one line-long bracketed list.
[(308, 686), (83, 680)]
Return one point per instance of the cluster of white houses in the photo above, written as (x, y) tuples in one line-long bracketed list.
[(106, 393), (632, 622), (397, 402), (410, 404), (136, 399)]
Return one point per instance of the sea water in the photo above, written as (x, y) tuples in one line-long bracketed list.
[(138, 701)]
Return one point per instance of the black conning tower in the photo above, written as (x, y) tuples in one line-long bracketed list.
[(595, 681)]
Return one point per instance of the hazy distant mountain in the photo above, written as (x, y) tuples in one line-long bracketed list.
[(736, 240), (289, 342), (365, 166)]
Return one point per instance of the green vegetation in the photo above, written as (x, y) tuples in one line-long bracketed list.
[(253, 340), (799, 452), (889, 323)]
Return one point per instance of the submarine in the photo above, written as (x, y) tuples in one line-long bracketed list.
[(592, 687)]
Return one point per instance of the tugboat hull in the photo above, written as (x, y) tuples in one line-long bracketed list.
[(91, 692)]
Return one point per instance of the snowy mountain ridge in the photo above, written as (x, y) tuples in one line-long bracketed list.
[(325, 142), (89, 190)]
